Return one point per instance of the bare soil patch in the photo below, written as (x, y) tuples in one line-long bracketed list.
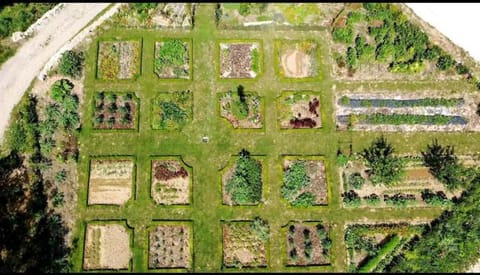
[(298, 59), (170, 247), (110, 181), (304, 245), (237, 60), (107, 247), (170, 182), (115, 111), (241, 247)]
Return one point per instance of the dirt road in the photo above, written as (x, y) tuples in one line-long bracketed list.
[(18, 72)]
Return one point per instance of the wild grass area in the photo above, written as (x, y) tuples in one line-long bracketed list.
[(206, 143)]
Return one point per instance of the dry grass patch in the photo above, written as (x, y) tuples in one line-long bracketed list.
[(298, 59), (106, 247), (170, 182), (170, 247), (110, 181), (242, 247)]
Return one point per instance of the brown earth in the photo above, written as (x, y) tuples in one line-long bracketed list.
[(296, 63), (170, 247), (110, 182), (170, 183)]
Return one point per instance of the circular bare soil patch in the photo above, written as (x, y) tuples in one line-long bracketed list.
[(296, 63), (170, 182), (106, 247)]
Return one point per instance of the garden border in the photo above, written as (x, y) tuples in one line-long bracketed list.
[(136, 122)]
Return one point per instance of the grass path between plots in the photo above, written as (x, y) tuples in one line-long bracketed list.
[(206, 210)]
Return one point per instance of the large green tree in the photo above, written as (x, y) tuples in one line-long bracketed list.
[(384, 166)]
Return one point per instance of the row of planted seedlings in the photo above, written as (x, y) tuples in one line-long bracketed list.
[(402, 112)]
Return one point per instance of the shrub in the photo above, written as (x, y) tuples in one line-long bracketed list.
[(61, 176), (356, 180), (260, 228), (71, 63), (445, 62), (351, 199), (305, 199), (245, 186), (343, 35), (435, 199), (255, 60), (171, 111), (372, 200), (172, 53)]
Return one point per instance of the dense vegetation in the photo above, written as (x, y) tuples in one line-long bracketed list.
[(71, 63), (399, 119), (384, 166), (31, 234), (245, 186), (172, 54), (396, 103), (18, 17)]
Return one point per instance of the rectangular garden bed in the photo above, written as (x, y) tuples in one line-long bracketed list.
[(118, 59)]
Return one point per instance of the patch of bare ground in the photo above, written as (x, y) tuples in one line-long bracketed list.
[(226, 197), (296, 245), (170, 247), (170, 183), (106, 247), (318, 180), (236, 60), (296, 63), (242, 247), (110, 181)]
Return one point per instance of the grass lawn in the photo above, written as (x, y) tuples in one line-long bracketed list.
[(206, 210)]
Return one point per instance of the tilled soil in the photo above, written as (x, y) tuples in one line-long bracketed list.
[(169, 247)]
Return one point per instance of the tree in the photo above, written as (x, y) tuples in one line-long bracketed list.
[(384, 166), (443, 164), (71, 63)]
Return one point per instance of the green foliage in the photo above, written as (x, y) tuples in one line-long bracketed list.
[(372, 199), (462, 69), (244, 9), (351, 199), (58, 199), (341, 159), (445, 62), (71, 63), (61, 92), (345, 100), (261, 228), (142, 9), (435, 199), (245, 186), (399, 200), (356, 180), (450, 243), (240, 109), (294, 180), (23, 133), (171, 111), (172, 53), (255, 60), (19, 16), (304, 199), (352, 57), (399, 119), (6, 52), (386, 249), (384, 166), (343, 35), (443, 164), (61, 176)]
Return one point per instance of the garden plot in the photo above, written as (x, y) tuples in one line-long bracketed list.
[(297, 59), (371, 247), (242, 110), (118, 59), (107, 246), (418, 188), (299, 110), (170, 182), (155, 15), (110, 181), (241, 15), (172, 59), (115, 110), (245, 243), (304, 182), (172, 111), (406, 112), (242, 182), (169, 247), (239, 59), (308, 244)]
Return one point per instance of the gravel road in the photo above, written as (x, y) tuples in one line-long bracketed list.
[(18, 72)]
